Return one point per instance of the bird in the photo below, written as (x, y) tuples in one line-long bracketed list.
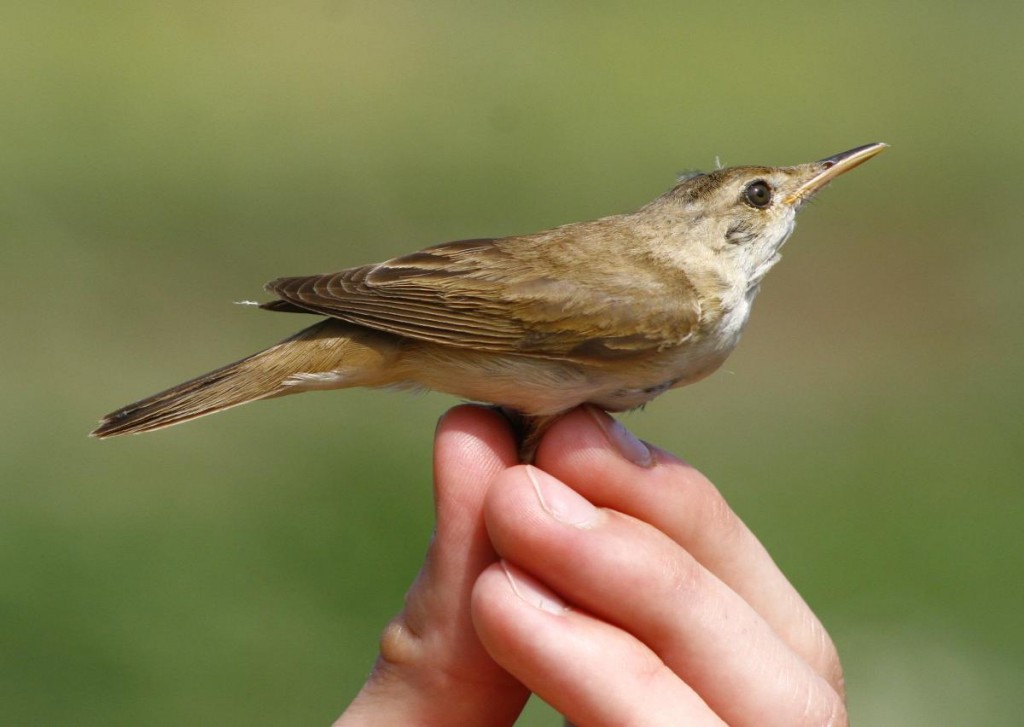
[(610, 312)]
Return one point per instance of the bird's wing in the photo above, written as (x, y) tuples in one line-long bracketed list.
[(489, 295)]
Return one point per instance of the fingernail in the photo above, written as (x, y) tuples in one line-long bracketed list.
[(622, 439), (560, 501), (530, 590)]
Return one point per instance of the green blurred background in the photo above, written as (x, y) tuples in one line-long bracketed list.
[(161, 160)]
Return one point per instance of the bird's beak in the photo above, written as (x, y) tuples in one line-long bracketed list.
[(826, 170)]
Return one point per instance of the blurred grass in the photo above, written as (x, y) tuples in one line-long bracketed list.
[(162, 160)]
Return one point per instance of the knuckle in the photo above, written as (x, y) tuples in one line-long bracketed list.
[(684, 575), (719, 518), (823, 657), (837, 716), (824, 708), (400, 645), (701, 510)]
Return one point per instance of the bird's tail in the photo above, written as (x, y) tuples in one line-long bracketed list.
[(310, 359)]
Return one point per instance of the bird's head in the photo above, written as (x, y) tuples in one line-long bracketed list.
[(738, 218)]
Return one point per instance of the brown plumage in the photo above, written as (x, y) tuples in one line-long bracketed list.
[(610, 312)]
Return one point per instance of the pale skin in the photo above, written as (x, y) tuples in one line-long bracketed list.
[(610, 578)]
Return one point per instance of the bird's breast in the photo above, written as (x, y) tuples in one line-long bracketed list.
[(689, 362)]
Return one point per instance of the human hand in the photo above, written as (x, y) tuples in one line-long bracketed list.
[(630, 593), (432, 668), (677, 614)]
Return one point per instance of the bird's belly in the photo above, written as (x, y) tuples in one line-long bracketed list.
[(676, 371), (541, 387), (533, 386)]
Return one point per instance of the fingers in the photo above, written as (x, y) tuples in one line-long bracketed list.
[(676, 613), (432, 667), (629, 574), (593, 673), (596, 456)]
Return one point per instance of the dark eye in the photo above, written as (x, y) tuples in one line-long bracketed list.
[(758, 194)]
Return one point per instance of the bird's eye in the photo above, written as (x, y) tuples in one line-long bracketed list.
[(758, 194)]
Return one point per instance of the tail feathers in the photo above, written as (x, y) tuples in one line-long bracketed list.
[(231, 385), (331, 354)]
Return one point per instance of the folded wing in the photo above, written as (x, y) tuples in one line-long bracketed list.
[(531, 296)]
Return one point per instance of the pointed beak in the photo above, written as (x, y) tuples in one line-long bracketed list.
[(828, 169)]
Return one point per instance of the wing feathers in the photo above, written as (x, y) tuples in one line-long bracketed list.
[(511, 295)]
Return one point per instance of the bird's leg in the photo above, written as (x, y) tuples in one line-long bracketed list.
[(527, 430)]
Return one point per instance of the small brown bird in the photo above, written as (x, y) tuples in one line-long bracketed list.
[(610, 312)]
